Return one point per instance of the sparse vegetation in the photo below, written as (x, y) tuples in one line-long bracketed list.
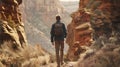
[(29, 56), (107, 56)]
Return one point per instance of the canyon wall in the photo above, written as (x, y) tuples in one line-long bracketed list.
[(11, 25), (38, 16), (42, 13), (15, 52), (96, 23)]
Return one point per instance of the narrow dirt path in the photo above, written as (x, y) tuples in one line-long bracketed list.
[(68, 64)]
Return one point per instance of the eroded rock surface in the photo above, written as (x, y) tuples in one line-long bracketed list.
[(96, 22), (11, 25)]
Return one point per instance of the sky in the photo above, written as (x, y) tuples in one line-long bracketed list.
[(69, 0)]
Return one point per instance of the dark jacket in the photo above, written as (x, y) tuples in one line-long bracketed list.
[(57, 38)]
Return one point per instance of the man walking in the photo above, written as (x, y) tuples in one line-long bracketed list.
[(58, 33)]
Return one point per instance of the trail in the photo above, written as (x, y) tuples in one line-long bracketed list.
[(68, 64)]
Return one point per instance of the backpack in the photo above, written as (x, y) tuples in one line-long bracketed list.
[(58, 29)]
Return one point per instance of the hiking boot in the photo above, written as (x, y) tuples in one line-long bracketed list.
[(58, 66), (62, 63)]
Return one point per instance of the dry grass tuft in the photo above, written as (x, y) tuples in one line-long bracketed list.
[(29, 56), (107, 56)]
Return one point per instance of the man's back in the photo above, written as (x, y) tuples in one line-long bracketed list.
[(58, 31)]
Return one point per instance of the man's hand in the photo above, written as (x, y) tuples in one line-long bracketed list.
[(53, 43)]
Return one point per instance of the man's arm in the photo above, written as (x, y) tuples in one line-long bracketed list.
[(65, 31), (52, 34)]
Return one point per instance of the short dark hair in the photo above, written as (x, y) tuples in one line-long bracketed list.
[(58, 18)]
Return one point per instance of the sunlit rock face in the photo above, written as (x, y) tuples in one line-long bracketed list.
[(79, 30), (11, 25), (96, 22)]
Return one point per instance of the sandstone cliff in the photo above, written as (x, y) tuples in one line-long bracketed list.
[(96, 23), (12, 31), (11, 26)]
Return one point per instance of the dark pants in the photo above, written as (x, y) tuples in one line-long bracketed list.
[(59, 47)]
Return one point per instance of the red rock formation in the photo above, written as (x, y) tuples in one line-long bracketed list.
[(79, 30), (94, 19), (11, 26)]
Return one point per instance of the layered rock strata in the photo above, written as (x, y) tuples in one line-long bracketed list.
[(11, 25), (96, 22)]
